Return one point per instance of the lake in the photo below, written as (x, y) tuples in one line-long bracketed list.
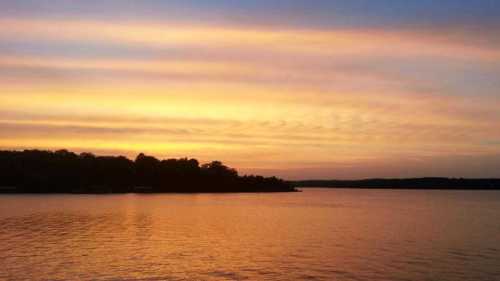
[(318, 234)]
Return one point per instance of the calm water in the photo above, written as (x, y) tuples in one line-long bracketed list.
[(318, 234)]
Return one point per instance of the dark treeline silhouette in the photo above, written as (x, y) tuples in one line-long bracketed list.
[(412, 183), (36, 171)]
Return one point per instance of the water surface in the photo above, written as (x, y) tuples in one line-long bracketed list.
[(318, 234)]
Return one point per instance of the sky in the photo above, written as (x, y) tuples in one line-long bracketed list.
[(297, 89)]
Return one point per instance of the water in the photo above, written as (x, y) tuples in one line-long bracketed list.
[(318, 234)]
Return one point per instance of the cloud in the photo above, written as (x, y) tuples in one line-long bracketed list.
[(301, 41), (263, 99)]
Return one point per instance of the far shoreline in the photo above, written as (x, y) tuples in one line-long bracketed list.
[(404, 188), (427, 183)]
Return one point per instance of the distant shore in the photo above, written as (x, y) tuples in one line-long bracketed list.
[(409, 183)]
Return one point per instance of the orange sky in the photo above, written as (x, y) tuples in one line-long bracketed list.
[(297, 102)]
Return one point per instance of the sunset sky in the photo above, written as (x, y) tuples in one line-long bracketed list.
[(297, 89)]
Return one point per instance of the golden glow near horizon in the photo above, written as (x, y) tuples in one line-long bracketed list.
[(296, 102)]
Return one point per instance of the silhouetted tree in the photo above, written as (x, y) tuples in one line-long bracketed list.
[(64, 171)]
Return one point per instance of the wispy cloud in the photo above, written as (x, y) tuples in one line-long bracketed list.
[(264, 98), (319, 42)]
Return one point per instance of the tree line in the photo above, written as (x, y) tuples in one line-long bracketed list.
[(62, 171)]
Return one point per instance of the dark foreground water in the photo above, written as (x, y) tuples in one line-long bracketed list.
[(319, 234)]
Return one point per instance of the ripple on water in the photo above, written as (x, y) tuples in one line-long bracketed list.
[(312, 235)]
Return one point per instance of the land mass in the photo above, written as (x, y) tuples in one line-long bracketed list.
[(62, 171), (410, 183)]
